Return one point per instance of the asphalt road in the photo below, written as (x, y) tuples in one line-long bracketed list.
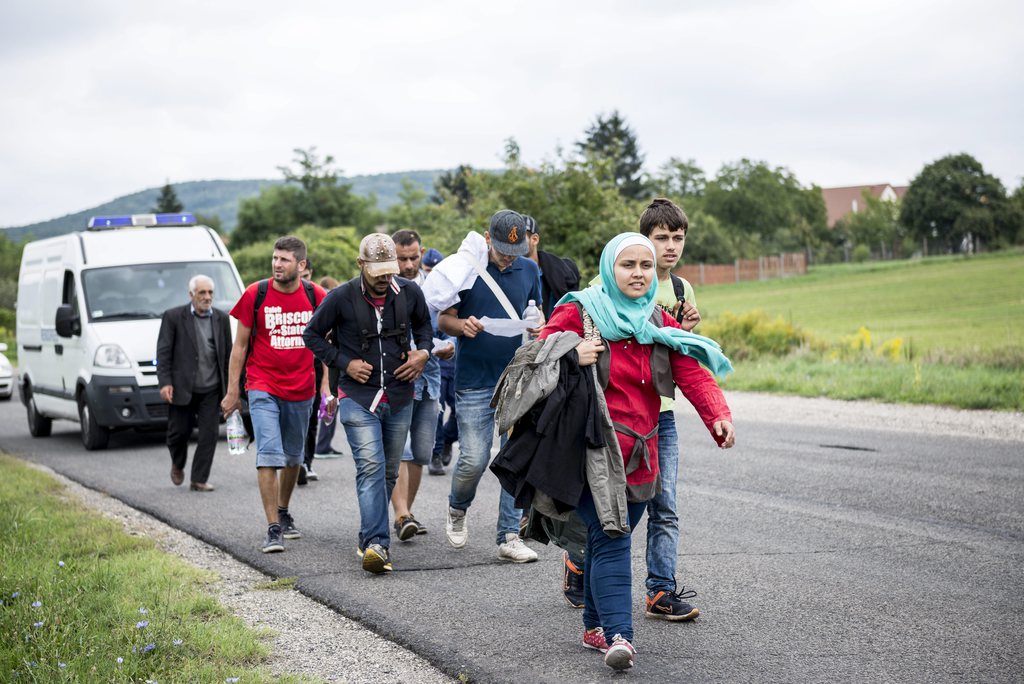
[(819, 554)]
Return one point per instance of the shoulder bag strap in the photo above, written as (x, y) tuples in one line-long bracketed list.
[(501, 297)]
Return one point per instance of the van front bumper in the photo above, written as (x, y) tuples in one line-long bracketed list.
[(119, 402)]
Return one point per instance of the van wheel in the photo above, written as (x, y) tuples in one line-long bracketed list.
[(38, 425), (94, 435)]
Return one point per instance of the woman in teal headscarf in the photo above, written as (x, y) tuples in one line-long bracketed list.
[(629, 327)]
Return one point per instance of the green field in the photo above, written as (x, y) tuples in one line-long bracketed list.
[(956, 325), (957, 305)]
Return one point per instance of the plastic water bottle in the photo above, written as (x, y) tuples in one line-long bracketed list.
[(237, 436), (325, 415), (532, 314)]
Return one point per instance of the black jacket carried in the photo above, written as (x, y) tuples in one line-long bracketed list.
[(558, 276), (548, 447), (386, 350), (177, 357)]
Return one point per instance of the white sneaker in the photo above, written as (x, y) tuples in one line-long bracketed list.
[(310, 475), (455, 528), (515, 550)]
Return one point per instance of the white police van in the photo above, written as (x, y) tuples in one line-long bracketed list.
[(88, 317)]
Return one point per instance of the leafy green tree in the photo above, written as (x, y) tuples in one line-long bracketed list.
[(611, 146), (766, 208), (313, 195), (680, 179), (167, 202), (955, 203), (877, 225), (708, 241), (333, 251), (452, 186)]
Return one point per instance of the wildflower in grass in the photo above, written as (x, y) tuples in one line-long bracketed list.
[(143, 611), (142, 624), (15, 594), (37, 625), (120, 660), (135, 649), (37, 604), (148, 647), (177, 642), (60, 564), (61, 665), (229, 680)]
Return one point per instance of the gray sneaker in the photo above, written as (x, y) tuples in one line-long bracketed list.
[(455, 528), (515, 550), (376, 560), (288, 529), (273, 543)]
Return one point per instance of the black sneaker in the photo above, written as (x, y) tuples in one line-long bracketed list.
[(572, 582), (375, 559), (303, 479), (406, 528), (273, 543), (435, 467), (420, 527), (446, 454), (288, 529), (669, 605)]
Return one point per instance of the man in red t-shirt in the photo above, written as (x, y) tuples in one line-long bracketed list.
[(279, 380)]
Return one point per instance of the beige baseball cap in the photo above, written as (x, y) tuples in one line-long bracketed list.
[(379, 255)]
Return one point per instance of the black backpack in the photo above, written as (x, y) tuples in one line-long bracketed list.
[(367, 323)]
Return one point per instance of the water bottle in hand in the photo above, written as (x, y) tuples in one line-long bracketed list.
[(531, 314), (237, 436)]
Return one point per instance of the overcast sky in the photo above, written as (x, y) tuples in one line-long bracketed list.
[(104, 98)]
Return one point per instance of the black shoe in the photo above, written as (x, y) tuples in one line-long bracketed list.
[(406, 528), (436, 467), (572, 582), (669, 605), (288, 529), (420, 527), (303, 479), (446, 454), (273, 543)]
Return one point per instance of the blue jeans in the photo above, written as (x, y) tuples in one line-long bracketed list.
[(476, 433), (608, 584), (377, 440), (421, 432), (662, 514), (280, 429), (447, 432)]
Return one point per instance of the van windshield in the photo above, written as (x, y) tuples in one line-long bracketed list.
[(147, 290)]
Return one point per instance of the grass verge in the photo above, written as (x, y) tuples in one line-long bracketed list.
[(80, 600), (970, 387)]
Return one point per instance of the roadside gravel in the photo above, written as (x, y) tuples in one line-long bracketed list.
[(307, 637)]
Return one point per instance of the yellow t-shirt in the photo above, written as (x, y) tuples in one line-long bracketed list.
[(666, 297)]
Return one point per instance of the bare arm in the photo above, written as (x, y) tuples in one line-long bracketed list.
[(449, 321)]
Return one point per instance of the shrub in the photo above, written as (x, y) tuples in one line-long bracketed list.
[(754, 334)]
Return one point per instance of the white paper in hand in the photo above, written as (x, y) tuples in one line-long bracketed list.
[(505, 327)]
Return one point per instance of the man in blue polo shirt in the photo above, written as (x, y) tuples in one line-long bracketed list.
[(480, 360)]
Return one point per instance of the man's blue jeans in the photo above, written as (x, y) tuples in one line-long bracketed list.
[(662, 511), (421, 432), (476, 433), (377, 440)]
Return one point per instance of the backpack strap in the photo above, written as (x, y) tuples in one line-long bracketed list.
[(310, 293), (678, 286), (368, 327)]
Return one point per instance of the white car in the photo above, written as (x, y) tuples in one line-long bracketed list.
[(6, 375)]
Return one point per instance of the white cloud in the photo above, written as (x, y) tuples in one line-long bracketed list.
[(103, 98)]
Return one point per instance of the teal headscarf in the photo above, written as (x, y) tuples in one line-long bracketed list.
[(619, 317)]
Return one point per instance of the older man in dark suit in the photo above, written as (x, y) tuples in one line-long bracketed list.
[(192, 355)]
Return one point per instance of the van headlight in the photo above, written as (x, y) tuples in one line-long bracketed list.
[(111, 356)]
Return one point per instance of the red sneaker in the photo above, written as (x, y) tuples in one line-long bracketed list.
[(594, 639), (621, 655)]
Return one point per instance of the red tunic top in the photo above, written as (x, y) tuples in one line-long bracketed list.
[(632, 398)]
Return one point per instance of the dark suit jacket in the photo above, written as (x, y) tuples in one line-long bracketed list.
[(177, 357)]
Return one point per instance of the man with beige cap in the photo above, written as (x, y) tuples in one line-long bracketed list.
[(373, 317)]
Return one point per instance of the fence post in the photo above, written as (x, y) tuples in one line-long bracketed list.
[(782, 264), (702, 273), (737, 270)]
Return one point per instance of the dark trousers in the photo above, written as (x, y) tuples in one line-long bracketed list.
[(326, 436), (202, 412), (310, 447), (447, 432)]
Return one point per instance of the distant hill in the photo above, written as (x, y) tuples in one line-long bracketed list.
[(218, 198)]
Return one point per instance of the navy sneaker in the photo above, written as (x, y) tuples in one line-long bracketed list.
[(669, 605), (572, 582), (288, 529), (273, 543)]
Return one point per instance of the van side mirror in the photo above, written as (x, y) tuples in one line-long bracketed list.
[(67, 322)]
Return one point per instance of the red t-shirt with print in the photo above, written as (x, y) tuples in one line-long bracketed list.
[(279, 362)]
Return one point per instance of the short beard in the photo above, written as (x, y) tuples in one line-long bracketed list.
[(284, 280)]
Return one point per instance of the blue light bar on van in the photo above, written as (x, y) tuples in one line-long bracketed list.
[(185, 218)]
